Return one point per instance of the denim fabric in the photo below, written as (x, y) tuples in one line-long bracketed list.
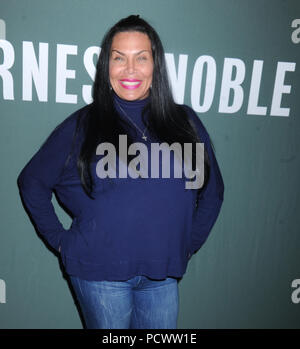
[(138, 303)]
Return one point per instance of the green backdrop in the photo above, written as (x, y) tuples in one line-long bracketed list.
[(236, 62)]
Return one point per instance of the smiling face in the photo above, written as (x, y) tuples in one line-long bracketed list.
[(131, 65)]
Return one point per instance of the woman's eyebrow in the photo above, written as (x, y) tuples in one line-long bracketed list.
[(142, 52), (123, 54)]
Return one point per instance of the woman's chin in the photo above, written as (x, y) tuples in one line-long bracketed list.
[(132, 95)]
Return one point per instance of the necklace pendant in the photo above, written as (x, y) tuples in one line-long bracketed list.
[(144, 137)]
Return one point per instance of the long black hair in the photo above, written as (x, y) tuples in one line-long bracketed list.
[(167, 121)]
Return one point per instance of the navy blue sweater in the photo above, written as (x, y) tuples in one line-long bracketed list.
[(134, 226)]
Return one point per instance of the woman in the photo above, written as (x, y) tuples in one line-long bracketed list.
[(131, 236)]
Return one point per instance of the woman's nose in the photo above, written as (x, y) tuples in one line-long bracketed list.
[(130, 66)]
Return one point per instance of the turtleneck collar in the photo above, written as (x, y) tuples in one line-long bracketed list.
[(136, 106), (131, 111)]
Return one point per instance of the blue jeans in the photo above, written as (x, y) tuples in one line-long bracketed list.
[(136, 303)]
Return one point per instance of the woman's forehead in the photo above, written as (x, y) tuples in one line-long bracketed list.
[(131, 41)]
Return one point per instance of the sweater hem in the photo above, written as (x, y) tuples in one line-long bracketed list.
[(122, 271)]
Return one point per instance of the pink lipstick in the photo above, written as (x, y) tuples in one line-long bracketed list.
[(130, 84)]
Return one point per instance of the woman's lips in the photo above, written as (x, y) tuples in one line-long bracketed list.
[(130, 84)]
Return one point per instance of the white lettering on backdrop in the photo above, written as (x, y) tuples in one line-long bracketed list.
[(232, 97)]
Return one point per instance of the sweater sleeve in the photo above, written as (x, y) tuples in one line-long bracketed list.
[(39, 177), (211, 197)]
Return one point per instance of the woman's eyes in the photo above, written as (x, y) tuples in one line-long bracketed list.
[(121, 59)]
